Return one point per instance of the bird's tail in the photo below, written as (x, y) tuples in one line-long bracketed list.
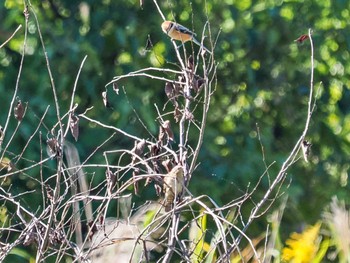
[(200, 45)]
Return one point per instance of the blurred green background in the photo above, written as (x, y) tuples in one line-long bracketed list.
[(263, 79)]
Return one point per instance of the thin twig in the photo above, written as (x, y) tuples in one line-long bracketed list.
[(289, 160), (13, 34), (59, 158), (17, 83), (73, 94)]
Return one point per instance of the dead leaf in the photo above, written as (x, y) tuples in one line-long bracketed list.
[(306, 148), (19, 111), (177, 114), (302, 38), (138, 150), (167, 129), (190, 63), (170, 92), (54, 147), (74, 126), (105, 99)]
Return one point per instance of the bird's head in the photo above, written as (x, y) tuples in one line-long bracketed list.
[(166, 26)]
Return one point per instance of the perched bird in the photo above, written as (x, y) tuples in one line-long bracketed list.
[(181, 33), (173, 185)]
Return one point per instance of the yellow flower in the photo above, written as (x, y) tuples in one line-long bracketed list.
[(302, 247)]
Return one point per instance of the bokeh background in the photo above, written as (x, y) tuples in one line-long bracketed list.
[(263, 80)]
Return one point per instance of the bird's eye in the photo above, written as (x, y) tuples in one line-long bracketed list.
[(170, 26)]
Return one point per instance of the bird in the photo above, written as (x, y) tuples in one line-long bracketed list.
[(181, 33), (173, 186)]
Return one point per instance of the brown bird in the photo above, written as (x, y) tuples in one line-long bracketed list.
[(180, 33), (173, 185)]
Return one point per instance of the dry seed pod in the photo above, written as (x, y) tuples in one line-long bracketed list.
[(161, 135), (177, 114), (170, 92), (74, 126), (105, 99), (167, 128), (190, 63), (54, 147), (306, 148), (19, 111), (138, 150)]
